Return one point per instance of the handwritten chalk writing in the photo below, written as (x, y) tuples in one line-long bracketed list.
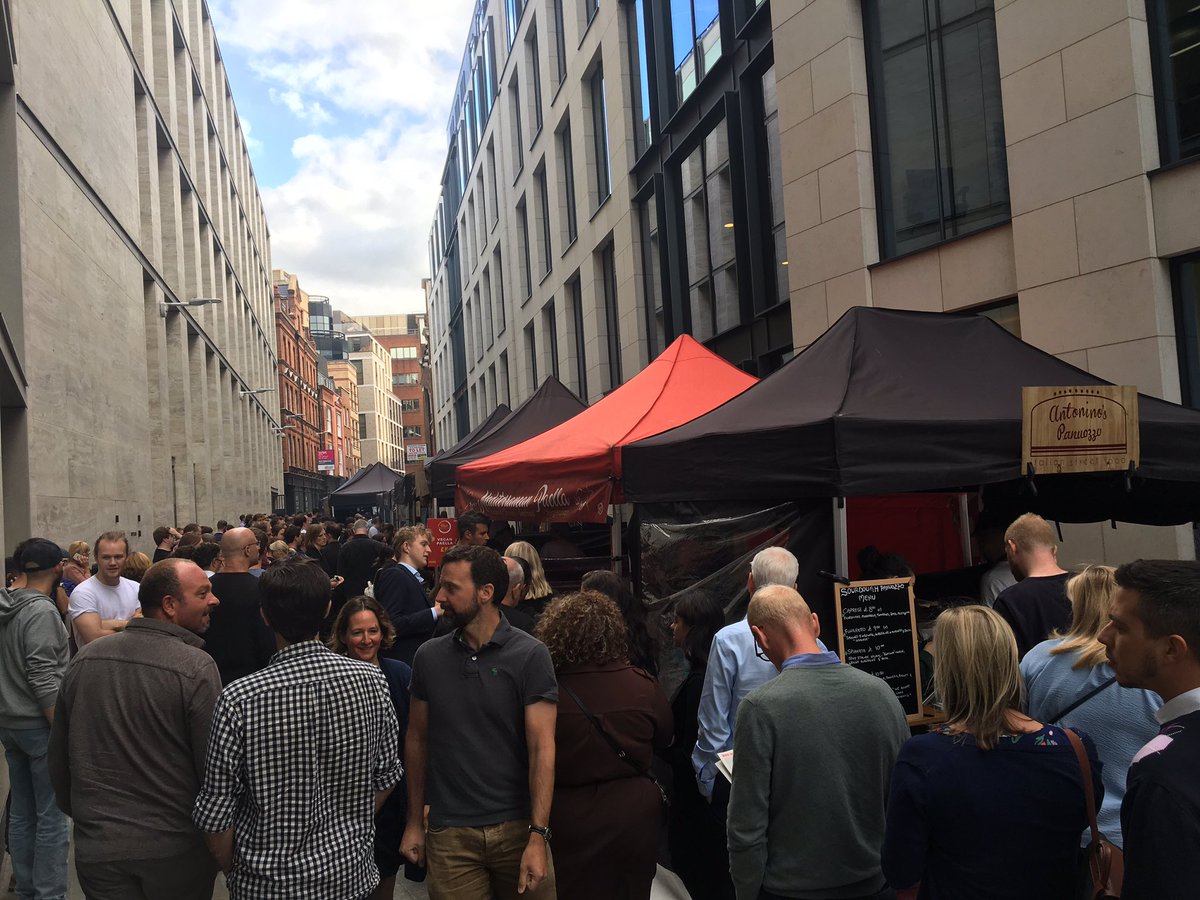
[(876, 635)]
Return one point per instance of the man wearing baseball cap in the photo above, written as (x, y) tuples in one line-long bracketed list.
[(33, 659)]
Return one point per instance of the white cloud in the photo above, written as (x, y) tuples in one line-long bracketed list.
[(353, 222), (253, 144)]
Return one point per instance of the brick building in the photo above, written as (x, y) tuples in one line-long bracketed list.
[(301, 432)]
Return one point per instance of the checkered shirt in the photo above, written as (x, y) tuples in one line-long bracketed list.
[(296, 755)]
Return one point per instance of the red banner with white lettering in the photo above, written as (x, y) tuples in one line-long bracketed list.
[(538, 501)]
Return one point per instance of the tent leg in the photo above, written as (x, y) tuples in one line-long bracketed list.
[(964, 518), (617, 531), (841, 553)]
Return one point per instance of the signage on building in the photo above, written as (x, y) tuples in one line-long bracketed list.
[(1079, 429), (325, 460), (415, 452), (443, 534)]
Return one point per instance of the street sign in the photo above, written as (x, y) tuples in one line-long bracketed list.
[(443, 534), (326, 460), (415, 452), (1079, 429)]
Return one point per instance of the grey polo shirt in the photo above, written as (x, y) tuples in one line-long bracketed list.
[(479, 762)]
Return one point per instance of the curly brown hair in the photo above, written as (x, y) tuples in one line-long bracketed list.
[(583, 628), (341, 625)]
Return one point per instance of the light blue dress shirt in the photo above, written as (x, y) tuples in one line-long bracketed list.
[(733, 672)]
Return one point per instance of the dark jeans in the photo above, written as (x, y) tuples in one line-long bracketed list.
[(189, 876), (886, 894)]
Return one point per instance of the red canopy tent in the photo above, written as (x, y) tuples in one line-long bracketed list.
[(572, 473)]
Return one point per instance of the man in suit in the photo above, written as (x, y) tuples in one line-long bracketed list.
[(400, 591)]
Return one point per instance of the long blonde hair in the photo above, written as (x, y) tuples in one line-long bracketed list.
[(976, 673), (539, 587), (1090, 593)]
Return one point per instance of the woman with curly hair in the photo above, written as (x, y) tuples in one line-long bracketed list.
[(612, 717), (538, 592)]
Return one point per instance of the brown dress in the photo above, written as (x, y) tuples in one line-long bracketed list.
[(607, 819)]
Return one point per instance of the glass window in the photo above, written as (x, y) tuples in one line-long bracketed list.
[(1175, 41), (550, 327), (410, 405), (560, 44), (652, 276), (534, 61), (498, 297), (941, 167), (489, 63), (612, 320), (600, 137), (401, 378), (403, 352), (695, 42), (568, 182), (512, 17), (543, 193), (519, 134), (590, 8), (1185, 278), (640, 70), (774, 192), (575, 293), (708, 236), (531, 355), (412, 431), (523, 239), (492, 193)]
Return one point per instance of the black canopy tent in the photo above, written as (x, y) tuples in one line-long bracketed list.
[(373, 485), (440, 473), (549, 406), (890, 401)]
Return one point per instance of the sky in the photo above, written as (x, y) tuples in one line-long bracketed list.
[(345, 107)]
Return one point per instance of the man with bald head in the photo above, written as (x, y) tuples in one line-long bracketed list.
[(129, 740), (238, 639), (813, 755)]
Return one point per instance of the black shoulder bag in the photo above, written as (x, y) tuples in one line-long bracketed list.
[(1082, 700), (612, 742)]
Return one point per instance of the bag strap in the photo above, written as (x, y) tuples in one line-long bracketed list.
[(1089, 791), (608, 738), (1082, 700)]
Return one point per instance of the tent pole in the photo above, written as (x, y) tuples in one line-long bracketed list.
[(964, 518), (841, 553), (615, 563)]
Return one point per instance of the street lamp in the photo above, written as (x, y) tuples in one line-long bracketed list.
[(164, 305), (248, 393)]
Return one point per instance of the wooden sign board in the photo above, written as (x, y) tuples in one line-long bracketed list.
[(1079, 429), (877, 632)]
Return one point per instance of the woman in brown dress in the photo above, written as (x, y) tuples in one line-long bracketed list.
[(608, 811)]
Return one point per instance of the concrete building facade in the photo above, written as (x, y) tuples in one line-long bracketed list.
[(344, 378), (128, 203), (379, 433), (301, 431), (748, 170), (406, 339)]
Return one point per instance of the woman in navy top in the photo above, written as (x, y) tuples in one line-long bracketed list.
[(990, 806)]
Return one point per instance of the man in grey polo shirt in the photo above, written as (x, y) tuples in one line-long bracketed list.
[(483, 707)]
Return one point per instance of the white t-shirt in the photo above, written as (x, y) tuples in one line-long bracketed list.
[(119, 602), (994, 581)]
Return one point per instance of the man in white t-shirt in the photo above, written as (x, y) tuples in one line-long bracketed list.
[(102, 605)]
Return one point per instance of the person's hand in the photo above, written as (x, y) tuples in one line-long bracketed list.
[(412, 844), (335, 581), (137, 613), (533, 864)]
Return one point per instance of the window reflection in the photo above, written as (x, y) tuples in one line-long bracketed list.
[(708, 236), (1176, 38), (695, 41)]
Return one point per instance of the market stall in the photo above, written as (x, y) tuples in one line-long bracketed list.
[(375, 489)]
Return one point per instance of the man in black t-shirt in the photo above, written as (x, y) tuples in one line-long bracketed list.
[(165, 539), (1153, 642), (237, 637), (1037, 604)]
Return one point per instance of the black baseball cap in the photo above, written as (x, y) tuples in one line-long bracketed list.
[(37, 555)]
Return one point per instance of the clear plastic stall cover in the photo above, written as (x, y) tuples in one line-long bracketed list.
[(708, 547)]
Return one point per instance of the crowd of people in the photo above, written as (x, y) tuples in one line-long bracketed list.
[(310, 708)]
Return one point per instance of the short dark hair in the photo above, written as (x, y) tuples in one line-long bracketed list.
[(295, 596), (487, 567), (161, 533), (160, 580), (469, 522), (1169, 597), (190, 527), (109, 537), (300, 520), (222, 525), (291, 533), (204, 555), (704, 617), (263, 539)]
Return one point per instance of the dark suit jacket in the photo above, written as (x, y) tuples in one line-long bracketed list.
[(405, 602), (356, 563)]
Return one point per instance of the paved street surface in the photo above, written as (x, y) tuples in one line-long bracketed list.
[(666, 885)]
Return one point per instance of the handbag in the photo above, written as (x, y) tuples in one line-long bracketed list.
[(612, 742), (1106, 862)]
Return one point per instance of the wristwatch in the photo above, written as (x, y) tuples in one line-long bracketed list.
[(543, 830)]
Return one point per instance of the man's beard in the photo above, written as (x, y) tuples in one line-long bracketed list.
[(464, 618)]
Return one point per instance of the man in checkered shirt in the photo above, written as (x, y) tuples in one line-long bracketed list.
[(302, 755)]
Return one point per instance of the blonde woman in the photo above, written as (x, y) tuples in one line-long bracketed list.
[(991, 805), (78, 567), (1069, 681), (539, 593)]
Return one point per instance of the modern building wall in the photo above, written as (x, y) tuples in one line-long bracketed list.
[(406, 339), (379, 433), (773, 164), (125, 182)]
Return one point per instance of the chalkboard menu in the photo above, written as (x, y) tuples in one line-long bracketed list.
[(877, 632)]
